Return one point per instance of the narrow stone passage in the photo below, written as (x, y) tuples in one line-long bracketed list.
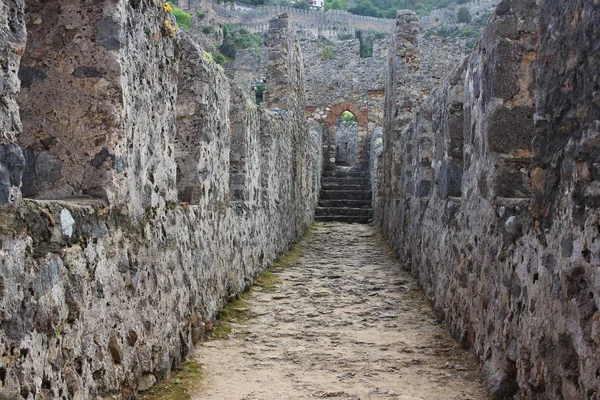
[(346, 322)]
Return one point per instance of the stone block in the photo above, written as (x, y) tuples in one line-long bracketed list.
[(511, 130), (512, 179), (501, 76), (450, 179)]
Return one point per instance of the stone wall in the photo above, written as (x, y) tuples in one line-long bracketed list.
[(338, 79), (489, 193), (332, 19), (12, 45), (190, 192), (447, 16)]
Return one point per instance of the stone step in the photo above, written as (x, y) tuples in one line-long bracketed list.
[(346, 175), (345, 181), (341, 186), (345, 203), (345, 195), (343, 218), (357, 212)]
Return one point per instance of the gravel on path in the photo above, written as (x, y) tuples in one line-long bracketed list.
[(345, 322)]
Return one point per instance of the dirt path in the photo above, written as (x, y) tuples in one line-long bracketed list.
[(345, 323)]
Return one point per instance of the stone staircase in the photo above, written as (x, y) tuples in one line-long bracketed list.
[(345, 196)]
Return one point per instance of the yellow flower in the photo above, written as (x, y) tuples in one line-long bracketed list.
[(167, 7)]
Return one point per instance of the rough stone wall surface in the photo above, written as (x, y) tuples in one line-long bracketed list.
[(346, 143), (12, 44), (249, 66), (338, 79), (96, 295), (85, 78), (448, 16), (490, 195)]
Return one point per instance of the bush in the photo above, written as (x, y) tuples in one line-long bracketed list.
[(207, 30), (301, 5), (463, 16), (328, 53), (348, 117), (219, 58), (244, 39), (259, 92), (183, 19)]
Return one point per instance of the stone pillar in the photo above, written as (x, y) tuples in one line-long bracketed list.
[(402, 98), (407, 64), (12, 45), (279, 77)]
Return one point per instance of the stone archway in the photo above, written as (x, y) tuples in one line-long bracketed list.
[(331, 142), (336, 109)]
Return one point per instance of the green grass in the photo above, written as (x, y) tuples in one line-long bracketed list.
[(183, 19), (328, 53), (235, 312), (180, 384)]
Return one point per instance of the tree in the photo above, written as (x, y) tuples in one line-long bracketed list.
[(463, 15), (335, 5), (302, 5), (365, 7), (348, 117)]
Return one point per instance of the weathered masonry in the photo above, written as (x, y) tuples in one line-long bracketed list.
[(152, 192), (141, 189), (491, 194)]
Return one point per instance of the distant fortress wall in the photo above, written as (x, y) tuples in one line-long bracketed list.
[(313, 23), (242, 15), (256, 19)]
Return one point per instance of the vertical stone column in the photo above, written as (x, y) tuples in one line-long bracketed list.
[(402, 98), (12, 44), (278, 65), (407, 62)]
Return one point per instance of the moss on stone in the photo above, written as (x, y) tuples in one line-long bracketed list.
[(180, 384)]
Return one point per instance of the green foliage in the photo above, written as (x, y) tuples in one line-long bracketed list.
[(259, 92), (244, 39), (348, 117), (219, 58), (183, 19), (200, 14), (335, 5), (387, 8), (184, 379), (328, 53), (207, 30), (366, 42), (463, 16), (365, 7), (301, 5)]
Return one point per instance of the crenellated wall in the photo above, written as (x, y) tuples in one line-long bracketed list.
[(158, 193), (489, 193)]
